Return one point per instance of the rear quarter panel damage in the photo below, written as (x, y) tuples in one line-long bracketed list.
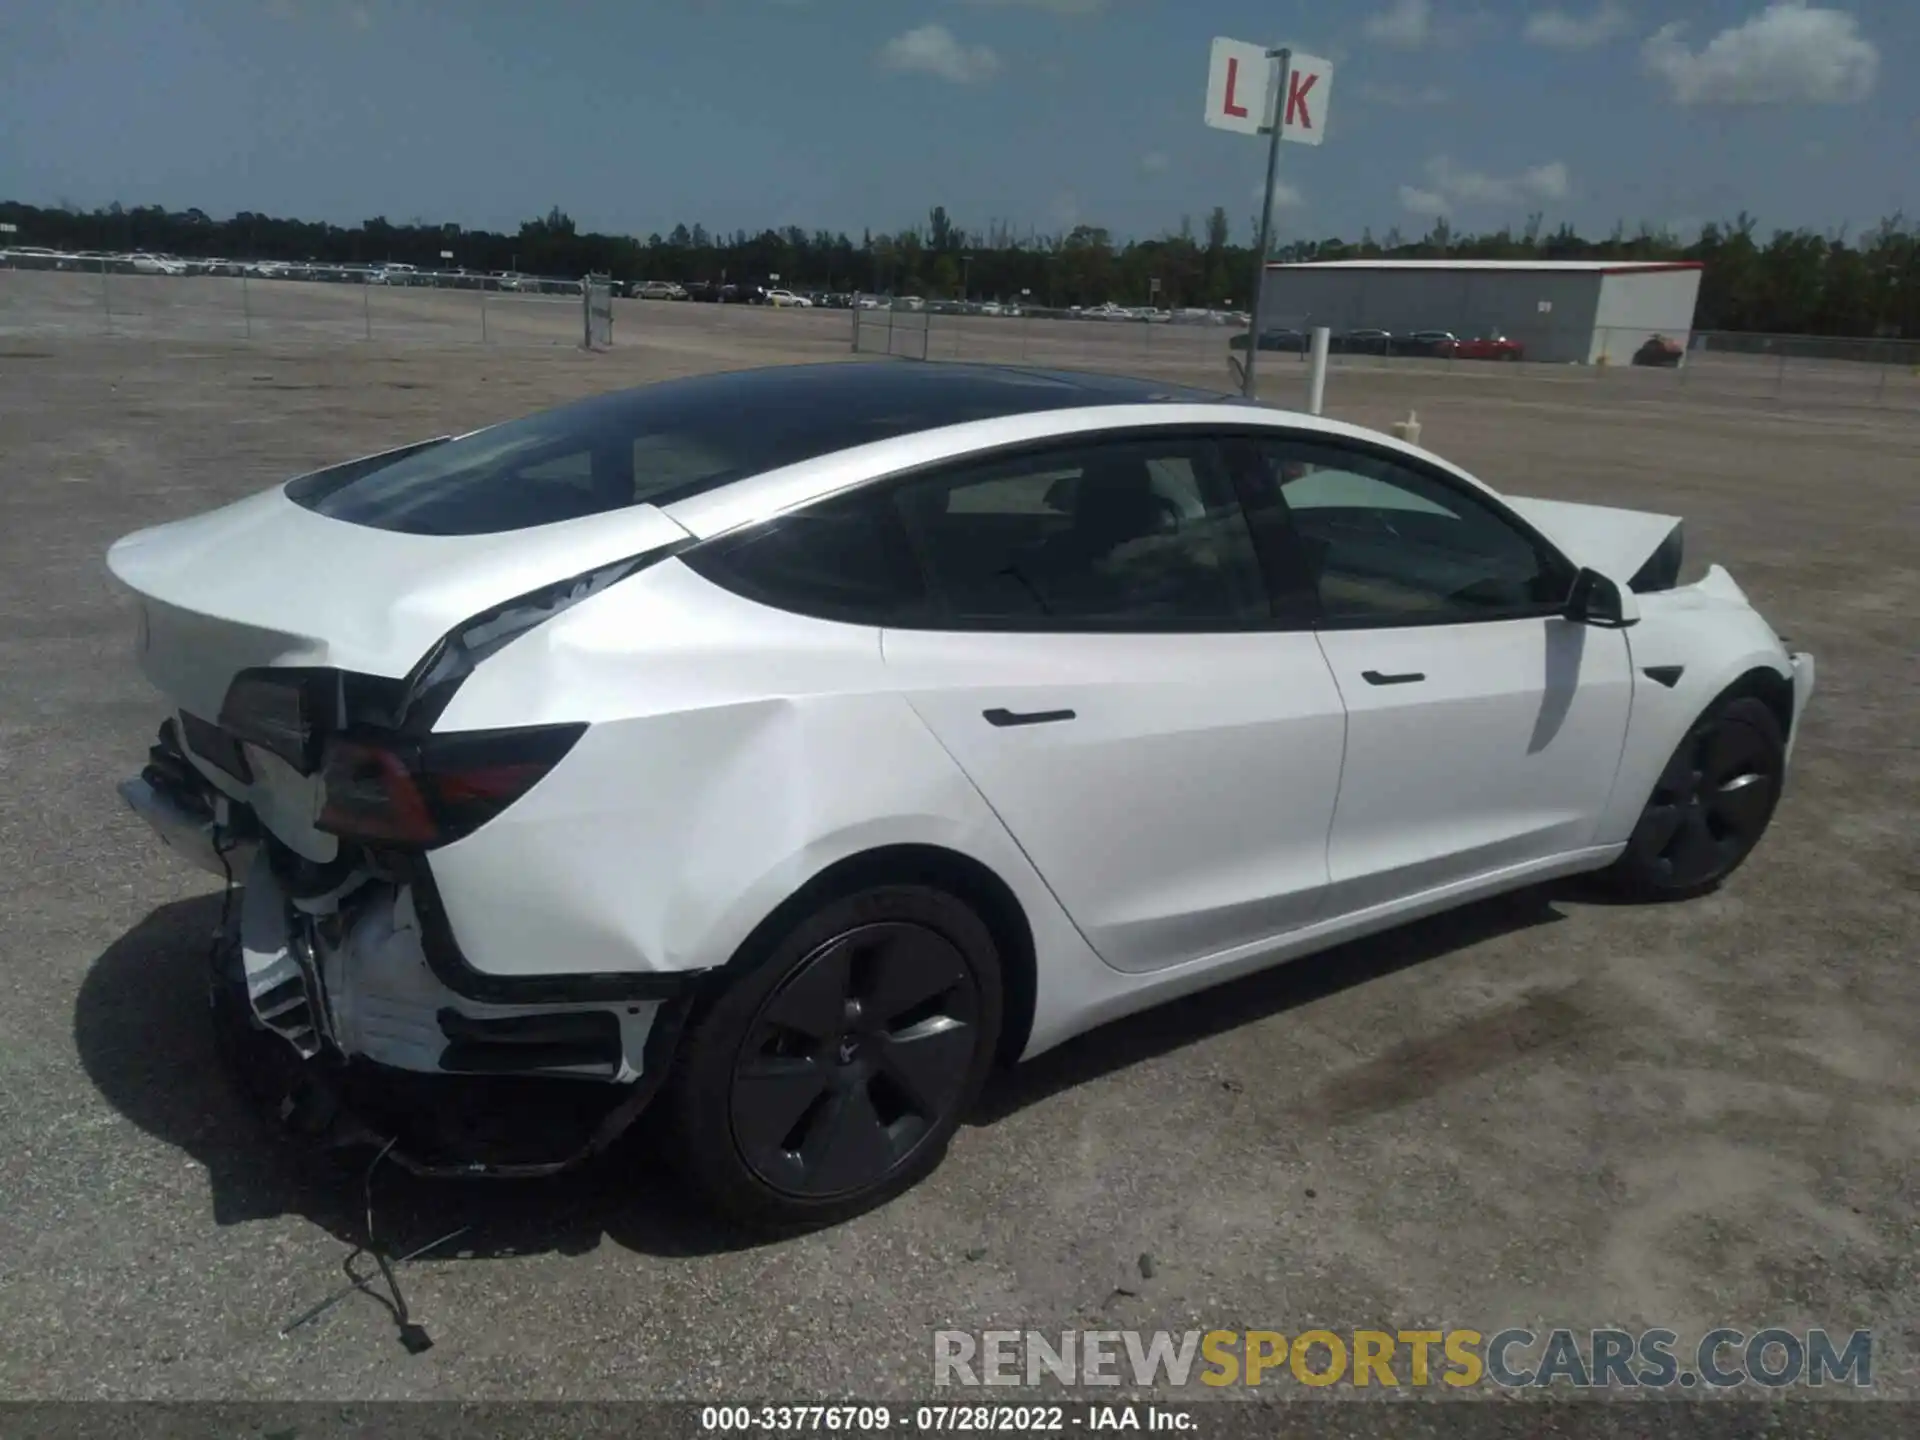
[(734, 753)]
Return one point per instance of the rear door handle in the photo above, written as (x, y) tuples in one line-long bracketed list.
[(1375, 677), (1031, 717)]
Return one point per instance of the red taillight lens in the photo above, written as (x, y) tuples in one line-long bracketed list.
[(416, 795)]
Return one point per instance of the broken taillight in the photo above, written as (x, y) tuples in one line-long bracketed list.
[(418, 794)]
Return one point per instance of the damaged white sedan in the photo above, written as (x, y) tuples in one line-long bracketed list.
[(786, 748)]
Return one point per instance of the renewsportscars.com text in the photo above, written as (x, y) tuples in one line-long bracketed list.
[(1768, 1357)]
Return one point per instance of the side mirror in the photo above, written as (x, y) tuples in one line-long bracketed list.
[(1602, 602)]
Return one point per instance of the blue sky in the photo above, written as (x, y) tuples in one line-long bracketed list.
[(634, 115)]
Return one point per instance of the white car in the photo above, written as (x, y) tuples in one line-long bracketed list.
[(787, 297), (658, 290), (788, 747), (145, 264)]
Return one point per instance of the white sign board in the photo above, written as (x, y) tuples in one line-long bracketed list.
[(1309, 82), (1239, 86), (1240, 79)]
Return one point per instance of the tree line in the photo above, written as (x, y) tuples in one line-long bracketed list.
[(1791, 281)]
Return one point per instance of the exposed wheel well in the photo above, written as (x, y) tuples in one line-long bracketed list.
[(1769, 687), (960, 876)]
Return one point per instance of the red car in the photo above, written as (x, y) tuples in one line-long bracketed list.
[(1487, 347)]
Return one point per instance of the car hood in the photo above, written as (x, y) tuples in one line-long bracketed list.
[(266, 582), (1615, 542)]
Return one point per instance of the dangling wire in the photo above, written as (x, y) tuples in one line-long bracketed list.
[(412, 1335)]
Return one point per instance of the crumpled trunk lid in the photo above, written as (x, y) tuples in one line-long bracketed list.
[(265, 583)]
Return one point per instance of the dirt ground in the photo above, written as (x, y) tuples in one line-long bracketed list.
[(1543, 1110)]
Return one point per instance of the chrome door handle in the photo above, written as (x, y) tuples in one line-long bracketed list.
[(1375, 677)]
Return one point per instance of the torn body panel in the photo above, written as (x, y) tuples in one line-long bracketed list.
[(336, 1006)]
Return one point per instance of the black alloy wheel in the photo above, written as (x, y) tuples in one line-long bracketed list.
[(854, 1060), (1710, 805), (842, 1054)]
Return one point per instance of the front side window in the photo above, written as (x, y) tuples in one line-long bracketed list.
[(1388, 544), (1116, 535)]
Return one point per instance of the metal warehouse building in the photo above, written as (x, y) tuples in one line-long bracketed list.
[(1571, 311)]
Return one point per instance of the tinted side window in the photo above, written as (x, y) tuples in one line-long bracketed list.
[(1387, 544), (845, 559), (1133, 535)]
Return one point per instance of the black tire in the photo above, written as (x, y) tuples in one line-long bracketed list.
[(1710, 806), (829, 1076)]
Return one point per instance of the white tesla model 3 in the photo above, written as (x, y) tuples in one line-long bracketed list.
[(790, 746)]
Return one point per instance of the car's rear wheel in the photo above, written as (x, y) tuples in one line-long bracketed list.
[(1710, 805), (829, 1077)]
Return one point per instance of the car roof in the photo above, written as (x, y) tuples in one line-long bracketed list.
[(802, 411)]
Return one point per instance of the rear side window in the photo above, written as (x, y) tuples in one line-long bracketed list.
[(845, 559)]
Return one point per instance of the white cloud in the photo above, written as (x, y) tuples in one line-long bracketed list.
[(1403, 98), (1404, 24), (1059, 7), (1154, 161), (1285, 196), (1450, 187), (1542, 182), (932, 50), (1422, 202), (1790, 52), (1564, 30)]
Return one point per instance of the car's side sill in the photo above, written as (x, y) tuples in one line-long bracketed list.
[(1142, 991)]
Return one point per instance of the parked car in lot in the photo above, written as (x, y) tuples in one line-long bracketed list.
[(1659, 350), (1276, 339), (1489, 347), (1362, 342), (791, 786), (1428, 342), (742, 295), (659, 290), (145, 264), (786, 298)]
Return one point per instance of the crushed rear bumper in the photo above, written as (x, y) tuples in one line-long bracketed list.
[(336, 1021)]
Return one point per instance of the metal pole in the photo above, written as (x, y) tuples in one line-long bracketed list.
[(246, 305), (366, 305), (856, 324), (1317, 375), (106, 297), (1276, 115)]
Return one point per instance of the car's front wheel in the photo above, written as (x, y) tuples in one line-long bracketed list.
[(829, 1076), (1710, 805)]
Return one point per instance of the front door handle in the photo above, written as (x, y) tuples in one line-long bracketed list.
[(1031, 717), (1375, 677)]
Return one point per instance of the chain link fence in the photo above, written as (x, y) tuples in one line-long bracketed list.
[(154, 298), (147, 297)]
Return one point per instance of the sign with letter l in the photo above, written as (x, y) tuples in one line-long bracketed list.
[(1239, 87)]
